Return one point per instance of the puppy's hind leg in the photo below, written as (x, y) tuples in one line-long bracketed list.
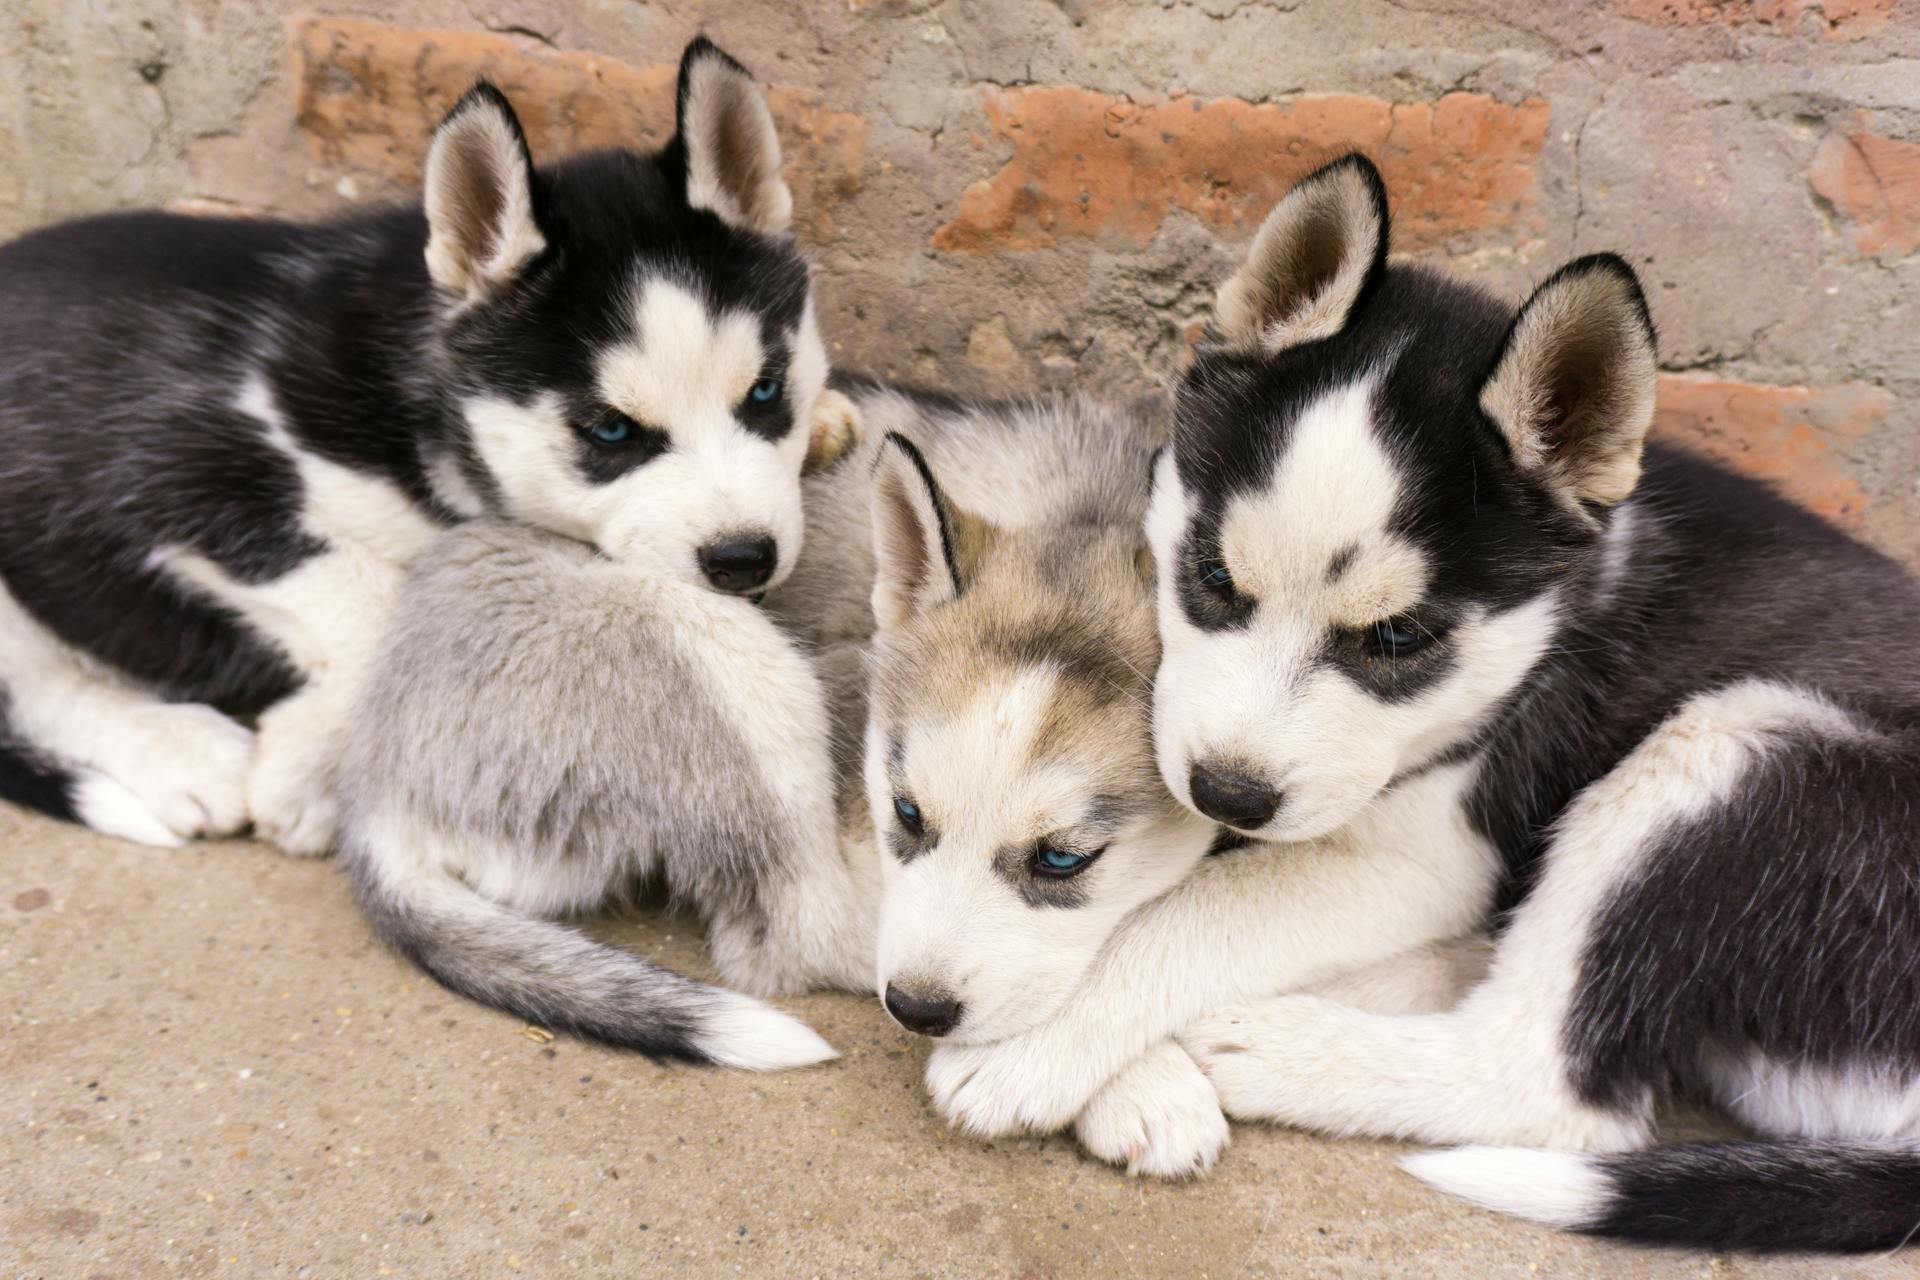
[(789, 903), (80, 741)]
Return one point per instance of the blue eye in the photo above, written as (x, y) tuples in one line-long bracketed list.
[(1214, 576), (1396, 637), (614, 429), (908, 812), (1051, 861), (764, 390)]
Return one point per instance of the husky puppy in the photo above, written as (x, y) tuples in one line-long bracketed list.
[(547, 726), (1421, 576), (546, 729), (225, 440)]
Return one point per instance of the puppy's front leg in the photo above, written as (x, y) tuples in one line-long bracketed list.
[(1241, 926)]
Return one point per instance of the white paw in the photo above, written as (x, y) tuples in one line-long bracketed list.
[(1245, 1052), (1012, 1086), (290, 791), (175, 771), (1159, 1117)]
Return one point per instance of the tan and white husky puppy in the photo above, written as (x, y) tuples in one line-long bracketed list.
[(548, 727)]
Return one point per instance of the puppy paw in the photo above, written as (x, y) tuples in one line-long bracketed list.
[(1011, 1086), (176, 771), (1249, 1054), (834, 431), (290, 789), (1159, 1117)]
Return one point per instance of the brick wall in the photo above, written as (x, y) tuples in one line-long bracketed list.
[(1009, 195)]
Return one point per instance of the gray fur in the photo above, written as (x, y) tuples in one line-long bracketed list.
[(537, 711), (546, 729)]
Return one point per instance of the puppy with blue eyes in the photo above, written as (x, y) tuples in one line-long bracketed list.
[(618, 349), (1452, 647), (923, 769)]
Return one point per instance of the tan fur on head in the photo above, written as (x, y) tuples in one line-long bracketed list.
[(479, 199), (1573, 392), (733, 152), (834, 431), (1309, 261)]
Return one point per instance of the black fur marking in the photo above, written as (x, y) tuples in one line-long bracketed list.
[(938, 501), (125, 340), (774, 419), (1208, 607), (1341, 561), (1358, 654), (603, 463), (31, 780), (1786, 922), (1764, 1197), (1226, 840)]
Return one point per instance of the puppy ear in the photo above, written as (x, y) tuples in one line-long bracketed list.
[(916, 537), (727, 135), (482, 225), (1311, 260), (1573, 389)]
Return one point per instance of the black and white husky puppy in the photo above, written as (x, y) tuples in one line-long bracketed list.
[(1406, 535), (223, 441)]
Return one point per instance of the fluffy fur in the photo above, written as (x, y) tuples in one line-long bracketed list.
[(1645, 690), (549, 726), (224, 441)]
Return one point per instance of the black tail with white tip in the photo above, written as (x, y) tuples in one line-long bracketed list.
[(557, 977), (1759, 1197)]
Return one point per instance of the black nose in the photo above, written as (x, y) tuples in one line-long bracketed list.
[(1232, 798), (932, 1014), (739, 563)]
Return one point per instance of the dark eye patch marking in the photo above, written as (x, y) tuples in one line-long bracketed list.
[(771, 418), (903, 843), (1208, 606), (1358, 654), (608, 444), (1014, 864)]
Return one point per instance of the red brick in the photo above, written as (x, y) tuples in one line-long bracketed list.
[(367, 97), (1791, 436), (1874, 183), (1090, 165)]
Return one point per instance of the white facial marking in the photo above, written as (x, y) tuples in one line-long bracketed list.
[(685, 373), (1314, 549), (950, 920)]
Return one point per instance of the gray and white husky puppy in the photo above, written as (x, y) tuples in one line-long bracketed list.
[(1429, 604), (548, 727), (222, 441)]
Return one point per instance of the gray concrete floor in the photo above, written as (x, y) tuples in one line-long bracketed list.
[(210, 1069)]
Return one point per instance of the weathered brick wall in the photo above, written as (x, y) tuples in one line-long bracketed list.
[(1009, 195)]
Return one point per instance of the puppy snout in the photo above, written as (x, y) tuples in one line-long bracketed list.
[(929, 1013), (1232, 796), (740, 561)]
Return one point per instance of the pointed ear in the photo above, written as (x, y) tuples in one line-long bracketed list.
[(916, 537), (1311, 260), (481, 222), (1573, 389), (732, 151)]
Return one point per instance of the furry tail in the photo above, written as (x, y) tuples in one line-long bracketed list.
[(557, 977), (1825, 1196)]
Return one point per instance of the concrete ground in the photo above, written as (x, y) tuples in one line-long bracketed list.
[(209, 1068)]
